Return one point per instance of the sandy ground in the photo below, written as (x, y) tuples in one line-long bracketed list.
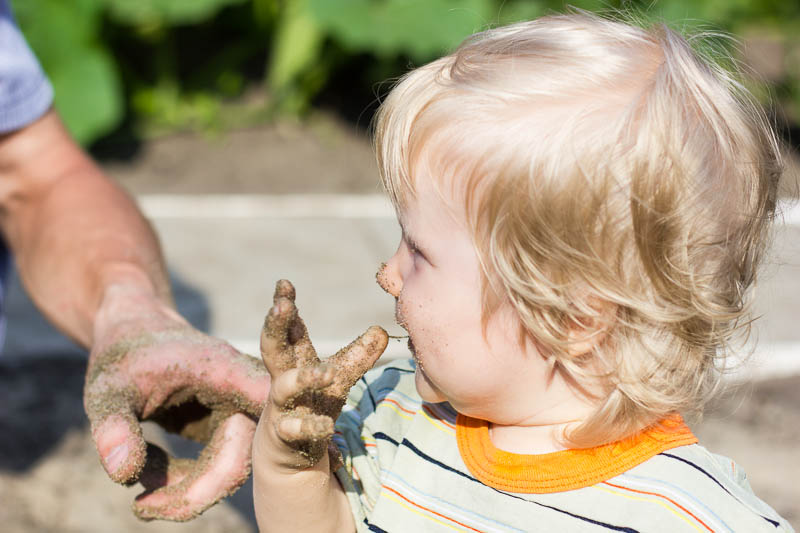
[(50, 477)]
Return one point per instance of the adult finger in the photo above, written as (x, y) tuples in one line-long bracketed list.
[(223, 466), (229, 379), (116, 432), (161, 469), (359, 356), (241, 380)]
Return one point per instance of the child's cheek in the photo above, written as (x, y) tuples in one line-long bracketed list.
[(401, 312)]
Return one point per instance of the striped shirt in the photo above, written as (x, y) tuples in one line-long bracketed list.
[(405, 472)]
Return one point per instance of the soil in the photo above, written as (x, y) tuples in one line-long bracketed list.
[(50, 475), (326, 155)]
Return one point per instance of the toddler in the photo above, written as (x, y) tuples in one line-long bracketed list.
[(584, 204)]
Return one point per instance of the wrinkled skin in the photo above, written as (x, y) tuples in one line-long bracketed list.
[(307, 394), (148, 363)]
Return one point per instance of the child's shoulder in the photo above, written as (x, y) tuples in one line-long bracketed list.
[(710, 486)]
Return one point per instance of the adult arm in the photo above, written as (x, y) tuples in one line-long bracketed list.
[(73, 232), (93, 266)]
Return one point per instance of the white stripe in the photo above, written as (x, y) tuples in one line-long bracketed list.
[(449, 509), (237, 206), (663, 488)]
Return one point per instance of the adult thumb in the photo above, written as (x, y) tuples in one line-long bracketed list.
[(118, 437)]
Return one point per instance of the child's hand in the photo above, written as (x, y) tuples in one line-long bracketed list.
[(307, 395)]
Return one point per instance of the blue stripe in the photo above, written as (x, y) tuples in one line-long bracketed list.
[(396, 392), (712, 478), (430, 459), (403, 370), (383, 436), (373, 527), (369, 393), (440, 411)]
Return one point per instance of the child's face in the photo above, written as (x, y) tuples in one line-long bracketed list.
[(435, 277)]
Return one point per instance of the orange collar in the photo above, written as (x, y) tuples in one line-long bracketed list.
[(563, 470)]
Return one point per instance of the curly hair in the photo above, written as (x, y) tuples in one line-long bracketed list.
[(618, 182)]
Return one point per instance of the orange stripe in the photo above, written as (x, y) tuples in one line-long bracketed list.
[(398, 405), (431, 510), (437, 417), (670, 500)]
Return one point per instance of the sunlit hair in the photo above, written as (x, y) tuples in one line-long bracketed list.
[(618, 183)]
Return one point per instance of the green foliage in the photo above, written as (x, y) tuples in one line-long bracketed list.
[(67, 38), (151, 13), (173, 64), (86, 80), (420, 29), (295, 71)]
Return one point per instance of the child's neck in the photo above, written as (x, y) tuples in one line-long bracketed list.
[(528, 440)]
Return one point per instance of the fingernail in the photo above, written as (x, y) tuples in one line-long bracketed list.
[(115, 459)]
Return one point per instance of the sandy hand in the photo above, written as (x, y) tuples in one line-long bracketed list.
[(307, 395), (147, 363)]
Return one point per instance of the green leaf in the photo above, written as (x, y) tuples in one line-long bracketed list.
[(420, 28), (88, 94), (519, 10), (166, 12), (65, 38), (296, 46), (53, 28)]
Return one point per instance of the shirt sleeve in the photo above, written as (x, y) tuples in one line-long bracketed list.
[(25, 92)]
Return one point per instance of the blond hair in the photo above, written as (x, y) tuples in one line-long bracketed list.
[(617, 182)]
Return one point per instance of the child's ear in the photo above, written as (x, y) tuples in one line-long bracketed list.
[(585, 336)]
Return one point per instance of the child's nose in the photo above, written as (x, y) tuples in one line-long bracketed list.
[(389, 279)]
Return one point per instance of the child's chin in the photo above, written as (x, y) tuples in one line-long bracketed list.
[(426, 390)]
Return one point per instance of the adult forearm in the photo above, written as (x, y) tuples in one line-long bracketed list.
[(73, 232), (84, 237)]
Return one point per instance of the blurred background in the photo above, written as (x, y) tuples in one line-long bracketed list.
[(132, 69), (241, 127)]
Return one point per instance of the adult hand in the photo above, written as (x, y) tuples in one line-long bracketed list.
[(148, 363), (307, 395)]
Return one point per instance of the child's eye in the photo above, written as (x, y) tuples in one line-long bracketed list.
[(413, 250)]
